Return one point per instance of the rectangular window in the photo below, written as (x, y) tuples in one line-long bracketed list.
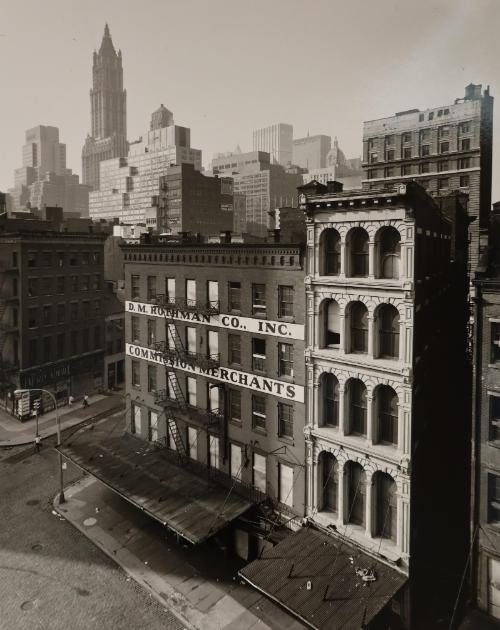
[(444, 131), (61, 284), (74, 342), (259, 300), (443, 183), (47, 259), (192, 442), (426, 150), (85, 285), (214, 452), (442, 166), (444, 147), (389, 141), (97, 337), (465, 144), (85, 340), (493, 498), (60, 345), (136, 374), (33, 352), (407, 137), (259, 472), (258, 412), (151, 332), (259, 354), (494, 418), (73, 260), (407, 153), (389, 172), (47, 315), (73, 311), (32, 259), (135, 329), (96, 282), (96, 258), (191, 339), (86, 310), (73, 283), (425, 134), (234, 349), (213, 293), (285, 420), (425, 167), (60, 259), (373, 173), (406, 169), (85, 258), (135, 288), (151, 284), (191, 391), (495, 342), (464, 181), (135, 422), (97, 307), (151, 378), (285, 301), (465, 127), (47, 349), (285, 359), (153, 425), (373, 158), (61, 313), (390, 155), (46, 286), (32, 287), (464, 163), (235, 405), (191, 292), (285, 494), (170, 290), (234, 296), (236, 461)]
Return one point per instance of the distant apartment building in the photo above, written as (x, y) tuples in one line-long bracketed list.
[(108, 102), (130, 186), (444, 148), (385, 317), (311, 152), (266, 186), (277, 140), (51, 311), (43, 179), (192, 202)]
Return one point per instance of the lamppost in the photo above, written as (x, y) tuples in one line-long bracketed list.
[(18, 392)]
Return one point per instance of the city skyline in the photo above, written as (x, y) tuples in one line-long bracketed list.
[(219, 124)]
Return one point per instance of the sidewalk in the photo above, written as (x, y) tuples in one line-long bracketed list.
[(15, 433), (199, 584)]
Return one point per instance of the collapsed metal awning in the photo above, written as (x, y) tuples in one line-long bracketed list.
[(328, 584), (192, 506)]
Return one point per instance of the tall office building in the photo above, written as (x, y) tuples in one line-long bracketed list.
[(43, 179), (130, 186), (444, 149), (311, 152), (108, 101), (277, 140)]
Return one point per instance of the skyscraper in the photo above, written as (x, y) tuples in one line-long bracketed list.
[(108, 101), (277, 140)]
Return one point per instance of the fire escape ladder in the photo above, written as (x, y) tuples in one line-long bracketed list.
[(174, 431)]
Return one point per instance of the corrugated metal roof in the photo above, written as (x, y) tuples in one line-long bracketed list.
[(339, 599), (190, 505)]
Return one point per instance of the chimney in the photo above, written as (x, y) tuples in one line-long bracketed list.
[(333, 186)]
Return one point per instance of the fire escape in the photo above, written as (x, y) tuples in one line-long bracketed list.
[(174, 353), (8, 327)]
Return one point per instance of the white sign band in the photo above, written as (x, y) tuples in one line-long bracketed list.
[(260, 384), (232, 322)]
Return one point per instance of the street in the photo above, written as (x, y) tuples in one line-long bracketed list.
[(51, 576)]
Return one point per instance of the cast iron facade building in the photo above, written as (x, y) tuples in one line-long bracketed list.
[(215, 369), (51, 318), (445, 148)]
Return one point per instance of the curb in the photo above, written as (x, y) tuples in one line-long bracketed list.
[(113, 556), (75, 426)]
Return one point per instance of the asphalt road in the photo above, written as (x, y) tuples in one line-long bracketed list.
[(51, 576)]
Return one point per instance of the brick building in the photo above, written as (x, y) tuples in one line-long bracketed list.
[(385, 316), (51, 332), (444, 148)]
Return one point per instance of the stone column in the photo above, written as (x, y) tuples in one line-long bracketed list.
[(402, 339), (343, 261), (341, 493), (341, 410), (342, 342), (369, 419), (371, 259), (371, 324), (368, 506)]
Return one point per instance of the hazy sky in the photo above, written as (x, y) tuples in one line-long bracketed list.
[(225, 67)]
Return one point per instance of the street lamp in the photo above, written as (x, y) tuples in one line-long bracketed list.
[(18, 392)]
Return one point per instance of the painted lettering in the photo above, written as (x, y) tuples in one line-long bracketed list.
[(290, 390), (141, 308)]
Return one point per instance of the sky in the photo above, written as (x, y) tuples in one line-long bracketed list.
[(226, 67)]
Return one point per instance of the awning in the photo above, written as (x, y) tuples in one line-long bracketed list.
[(328, 584), (190, 505)]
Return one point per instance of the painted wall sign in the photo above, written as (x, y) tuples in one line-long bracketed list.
[(232, 322), (289, 391)]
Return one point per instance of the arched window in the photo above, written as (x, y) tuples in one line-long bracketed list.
[(387, 414), (355, 493), (330, 324), (330, 248), (357, 407), (389, 253), (329, 482), (358, 243), (388, 327), (329, 387), (386, 506), (359, 327)]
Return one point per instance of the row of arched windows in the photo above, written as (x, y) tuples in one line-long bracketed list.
[(386, 320), (356, 263), (385, 410), (383, 517)]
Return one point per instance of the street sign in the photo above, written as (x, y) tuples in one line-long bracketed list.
[(23, 404)]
